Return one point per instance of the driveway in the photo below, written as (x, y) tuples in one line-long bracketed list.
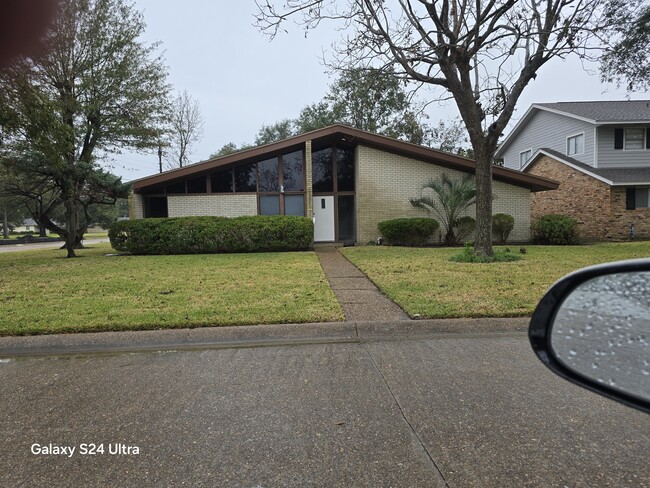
[(457, 410)]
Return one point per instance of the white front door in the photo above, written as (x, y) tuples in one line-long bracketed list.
[(323, 219)]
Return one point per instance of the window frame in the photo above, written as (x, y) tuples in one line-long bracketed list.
[(643, 140), (575, 136), (521, 165)]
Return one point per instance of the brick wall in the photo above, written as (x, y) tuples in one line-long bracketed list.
[(136, 207), (385, 182), (620, 219), (218, 205), (579, 195)]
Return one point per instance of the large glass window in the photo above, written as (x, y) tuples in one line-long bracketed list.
[(641, 198), (269, 204), (269, 177), (245, 178), (294, 205), (176, 187), (221, 181), (293, 171), (575, 144), (322, 173), (197, 185), (346, 217), (345, 169), (635, 138)]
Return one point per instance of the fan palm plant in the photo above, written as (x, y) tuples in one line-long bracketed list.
[(452, 196)]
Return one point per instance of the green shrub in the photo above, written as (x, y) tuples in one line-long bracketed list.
[(207, 235), (468, 255), (408, 232), (464, 227), (556, 230), (502, 225)]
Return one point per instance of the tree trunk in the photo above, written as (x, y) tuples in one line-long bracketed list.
[(483, 240), (71, 224), (5, 224)]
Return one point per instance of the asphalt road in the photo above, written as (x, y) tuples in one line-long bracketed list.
[(46, 245), (457, 410)]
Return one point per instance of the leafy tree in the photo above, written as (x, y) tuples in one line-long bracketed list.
[(94, 88), (316, 116), (186, 130), (451, 197), (274, 132), (11, 214), (627, 61), (483, 54)]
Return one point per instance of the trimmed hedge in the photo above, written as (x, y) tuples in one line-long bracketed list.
[(209, 235), (502, 225), (408, 232), (556, 229)]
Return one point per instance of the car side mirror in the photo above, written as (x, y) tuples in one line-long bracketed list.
[(593, 328)]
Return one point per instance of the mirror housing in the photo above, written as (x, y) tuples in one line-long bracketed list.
[(551, 329)]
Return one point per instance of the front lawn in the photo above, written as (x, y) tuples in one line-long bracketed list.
[(425, 282), (41, 292)]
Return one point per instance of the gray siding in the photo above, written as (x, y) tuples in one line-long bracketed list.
[(608, 157), (546, 129)]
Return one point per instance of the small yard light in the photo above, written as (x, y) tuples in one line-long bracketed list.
[(632, 233)]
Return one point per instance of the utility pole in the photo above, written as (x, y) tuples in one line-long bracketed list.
[(160, 157)]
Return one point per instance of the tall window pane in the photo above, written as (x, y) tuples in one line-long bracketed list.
[(197, 185), (245, 178), (269, 204), (345, 169), (634, 138), (221, 181), (268, 175), (322, 174), (346, 217), (293, 171), (641, 198), (178, 187), (294, 205)]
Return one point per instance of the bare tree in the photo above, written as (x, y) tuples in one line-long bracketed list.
[(186, 130), (482, 53)]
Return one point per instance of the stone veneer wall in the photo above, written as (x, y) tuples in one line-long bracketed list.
[(598, 208), (217, 205), (385, 182)]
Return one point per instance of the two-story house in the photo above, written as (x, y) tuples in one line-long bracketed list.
[(600, 154)]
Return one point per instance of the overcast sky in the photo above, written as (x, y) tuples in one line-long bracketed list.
[(242, 80)]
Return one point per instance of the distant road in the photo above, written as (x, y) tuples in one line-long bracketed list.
[(46, 245)]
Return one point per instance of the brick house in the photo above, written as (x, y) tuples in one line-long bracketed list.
[(599, 152), (348, 180)]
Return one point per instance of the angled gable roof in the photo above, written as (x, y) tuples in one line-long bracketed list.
[(593, 112), (348, 135), (610, 176)]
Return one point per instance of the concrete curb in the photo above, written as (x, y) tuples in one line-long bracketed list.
[(254, 336)]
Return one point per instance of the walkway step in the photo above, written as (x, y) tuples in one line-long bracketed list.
[(358, 296)]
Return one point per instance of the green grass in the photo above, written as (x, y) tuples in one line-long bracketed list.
[(426, 282), (41, 292)]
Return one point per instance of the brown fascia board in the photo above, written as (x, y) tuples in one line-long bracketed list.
[(350, 135)]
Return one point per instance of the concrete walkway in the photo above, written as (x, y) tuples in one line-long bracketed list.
[(358, 296), (46, 245)]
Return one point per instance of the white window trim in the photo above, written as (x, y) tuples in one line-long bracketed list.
[(643, 144), (521, 165), (584, 143)]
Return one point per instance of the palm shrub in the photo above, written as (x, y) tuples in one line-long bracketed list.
[(502, 225), (452, 197)]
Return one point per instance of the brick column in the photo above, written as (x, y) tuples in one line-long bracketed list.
[(135, 206)]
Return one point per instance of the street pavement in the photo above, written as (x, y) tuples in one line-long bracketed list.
[(406, 404), (46, 245)]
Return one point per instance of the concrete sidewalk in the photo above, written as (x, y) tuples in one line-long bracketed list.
[(47, 245), (358, 296)]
